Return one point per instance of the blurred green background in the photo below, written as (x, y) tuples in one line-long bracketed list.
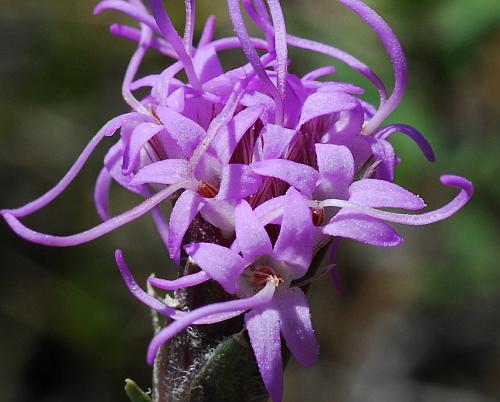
[(418, 323)]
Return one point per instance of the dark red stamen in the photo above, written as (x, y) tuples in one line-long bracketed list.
[(207, 190), (262, 274), (318, 215)]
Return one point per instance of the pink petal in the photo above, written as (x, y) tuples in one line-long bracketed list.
[(275, 140), (296, 326), (336, 170), (229, 136), (251, 236), (362, 228), (323, 103), (219, 213), (185, 209), (383, 194), (168, 171), (294, 243), (140, 136), (263, 329), (221, 263), (184, 131), (302, 177), (238, 182)]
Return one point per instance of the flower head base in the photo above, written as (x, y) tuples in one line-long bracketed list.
[(280, 165)]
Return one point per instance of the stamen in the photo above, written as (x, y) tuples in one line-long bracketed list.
[(318, 215), (207, 190), (264, 274)]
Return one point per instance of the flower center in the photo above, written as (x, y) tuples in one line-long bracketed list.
[(207, 190), (263, 274)]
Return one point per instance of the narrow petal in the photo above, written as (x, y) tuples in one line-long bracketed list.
[(221, 263), (184, 131), (466, 191), (127, 9), (295, 324), (294, 243), (167, 333), (251, 236), (396, 54), (185, 209), (275, 140), (238, 182), (101, 194), (179, 283), (386, 132), (362, 228), (264, 331), (107, 130), (302, 177), (140, 294), (336, 170), (383, 194), (168, 171), (95, 232)]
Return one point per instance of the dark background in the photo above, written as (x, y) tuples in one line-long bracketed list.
[(418, 323)]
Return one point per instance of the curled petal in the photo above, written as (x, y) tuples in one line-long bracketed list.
[(127, 9), (385, 155), (140, 294), (108, 130), (386, 132), (166, 27), (466, 190), (167, 333), (396, 54), (95, 232)]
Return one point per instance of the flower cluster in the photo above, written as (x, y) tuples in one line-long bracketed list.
[(280, 164)]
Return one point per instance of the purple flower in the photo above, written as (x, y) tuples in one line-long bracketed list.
[(246, 150)]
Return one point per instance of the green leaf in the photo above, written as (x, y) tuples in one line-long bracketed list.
[(134, 393)]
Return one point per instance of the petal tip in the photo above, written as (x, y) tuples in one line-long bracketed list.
[(458, 181)]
